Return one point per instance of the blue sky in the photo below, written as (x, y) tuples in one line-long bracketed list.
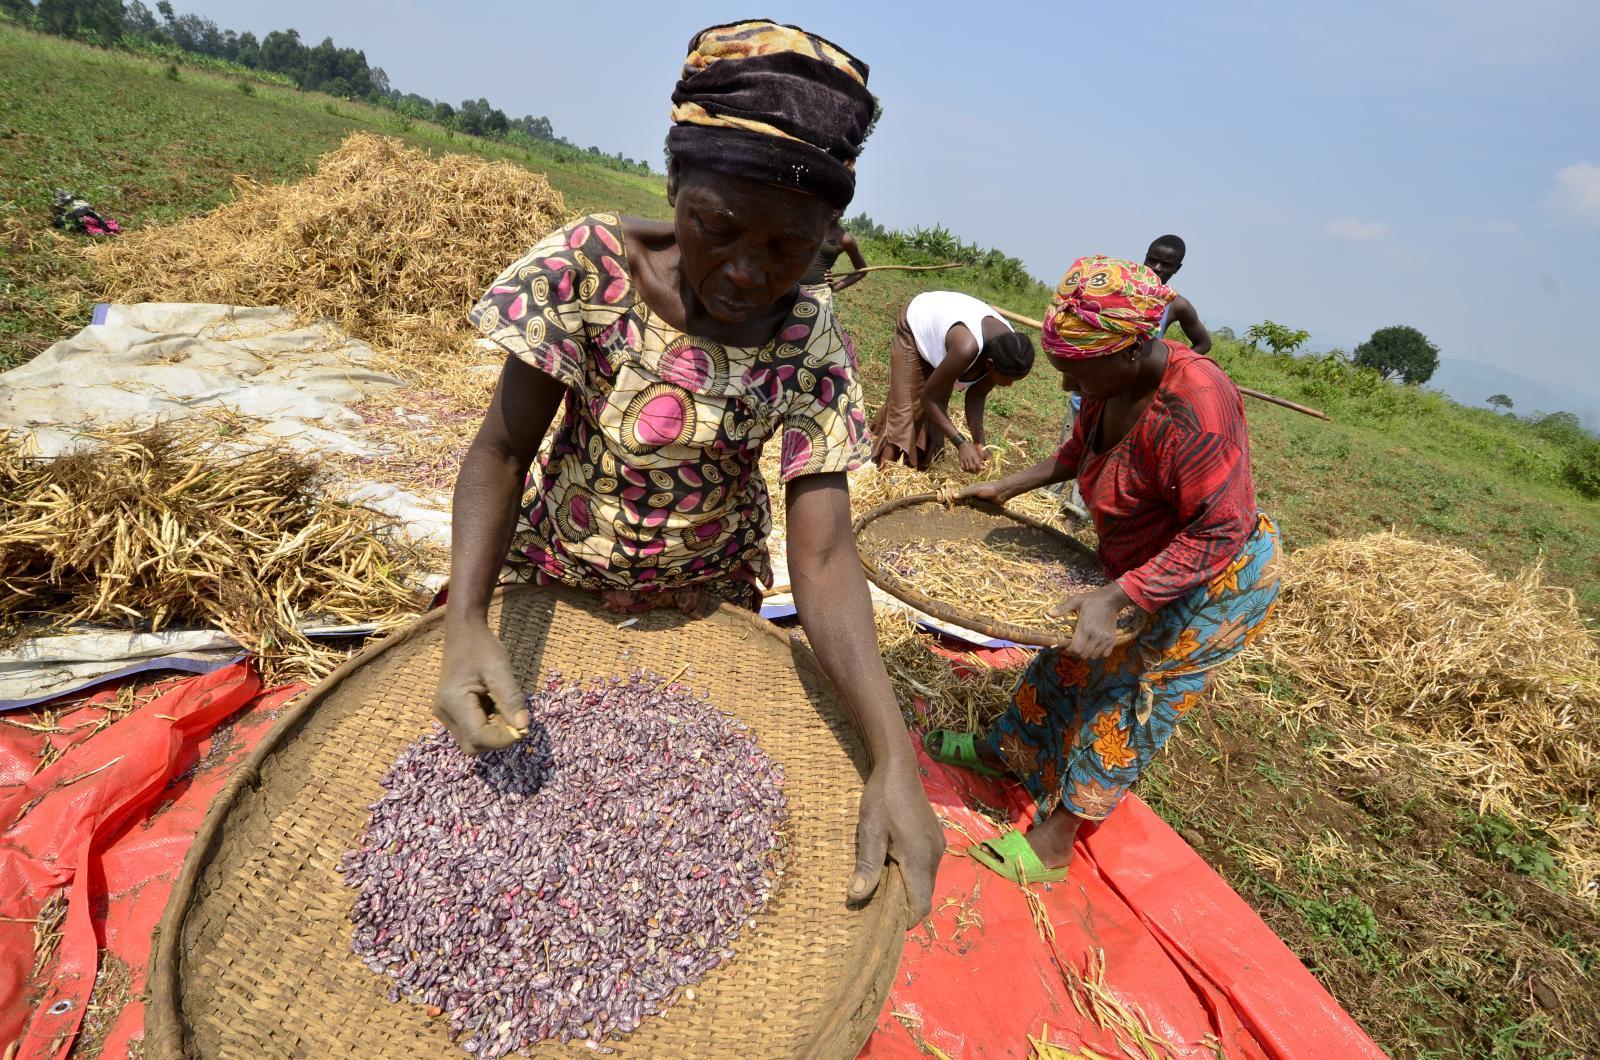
[(1334, 167)]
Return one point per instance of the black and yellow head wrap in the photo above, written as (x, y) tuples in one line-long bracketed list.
[(775, 104)]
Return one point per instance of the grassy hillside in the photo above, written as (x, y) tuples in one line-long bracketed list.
[(1411, 909), (144, 148)]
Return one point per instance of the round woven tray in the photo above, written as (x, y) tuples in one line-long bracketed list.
[(899, 520), (253, 954)]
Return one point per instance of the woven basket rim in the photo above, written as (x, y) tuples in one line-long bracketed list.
[(898, 588), (165, 1028)]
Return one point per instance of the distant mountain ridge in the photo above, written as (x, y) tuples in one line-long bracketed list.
[(1471, 383)]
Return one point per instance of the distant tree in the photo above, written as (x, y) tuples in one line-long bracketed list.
[(140, 21), (471, 114), (283, 53), (1281, 338), (444, 113), (350, 64), (99, 21), (538, 128), (165, 7), (877, 112), (380, 82), (1500, 401), (249, 50), (863, 225), (1399, 352), (1563, 428), (1224, 333), (495, 122)]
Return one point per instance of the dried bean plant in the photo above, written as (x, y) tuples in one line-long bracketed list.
[(159, 528)]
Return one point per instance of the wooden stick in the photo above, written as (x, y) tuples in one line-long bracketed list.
[(1285, 402), (895, 268), (1018, 318)]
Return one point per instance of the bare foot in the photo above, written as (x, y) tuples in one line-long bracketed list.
[(1052, 838), (989, 757)]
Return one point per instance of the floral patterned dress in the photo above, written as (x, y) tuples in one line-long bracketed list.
[(651, 483), (1174, 505)]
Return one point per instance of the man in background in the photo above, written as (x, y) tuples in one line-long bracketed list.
[(1165, 258)]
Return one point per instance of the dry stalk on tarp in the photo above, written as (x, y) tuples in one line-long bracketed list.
[(156, 528), (949, 701), (1443, 672), (47, 930)]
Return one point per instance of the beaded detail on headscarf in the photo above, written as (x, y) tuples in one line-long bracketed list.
[(1103, 305)]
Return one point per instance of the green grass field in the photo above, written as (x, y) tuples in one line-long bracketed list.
[(1359, 874)]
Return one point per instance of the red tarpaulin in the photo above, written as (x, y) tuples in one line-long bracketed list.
[(110, 821), (1144, 932), (1183, 957)]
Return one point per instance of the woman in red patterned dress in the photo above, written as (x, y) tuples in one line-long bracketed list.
[(1161, 453)]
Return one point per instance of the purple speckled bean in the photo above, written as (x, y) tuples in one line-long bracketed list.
[(570, 885)]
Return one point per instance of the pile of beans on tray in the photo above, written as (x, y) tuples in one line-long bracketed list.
[(578, 882)]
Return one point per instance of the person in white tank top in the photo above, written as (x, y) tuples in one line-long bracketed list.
[(946, 342)]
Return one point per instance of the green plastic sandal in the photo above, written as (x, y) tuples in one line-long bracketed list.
[(1012, 857), (957, 749)]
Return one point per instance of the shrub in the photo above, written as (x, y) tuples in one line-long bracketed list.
[(1580, 468), (1280, 338)]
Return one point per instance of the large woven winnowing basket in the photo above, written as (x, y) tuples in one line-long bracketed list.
[(253, 957), (900, 520)]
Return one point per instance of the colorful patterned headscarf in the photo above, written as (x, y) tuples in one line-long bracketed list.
[(1103, 305), (775, 104)]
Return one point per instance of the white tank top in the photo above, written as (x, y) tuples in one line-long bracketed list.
[(931, 315)]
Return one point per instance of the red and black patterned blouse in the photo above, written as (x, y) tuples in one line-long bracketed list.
[(1173, 502)]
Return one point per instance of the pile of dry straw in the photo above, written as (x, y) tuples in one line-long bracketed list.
[(155, 528), (1441, 672), (388, 242)]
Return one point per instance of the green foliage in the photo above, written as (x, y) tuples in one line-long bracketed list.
[(937, 245), (19, 12), (1563, 428), (1400, 352), (1581, 467), (246, 87), (281, 57), (167, 53), (1500, 401), (877, 112), (1525, 849), (1348, 921), (1280, 338), (92, 21)]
